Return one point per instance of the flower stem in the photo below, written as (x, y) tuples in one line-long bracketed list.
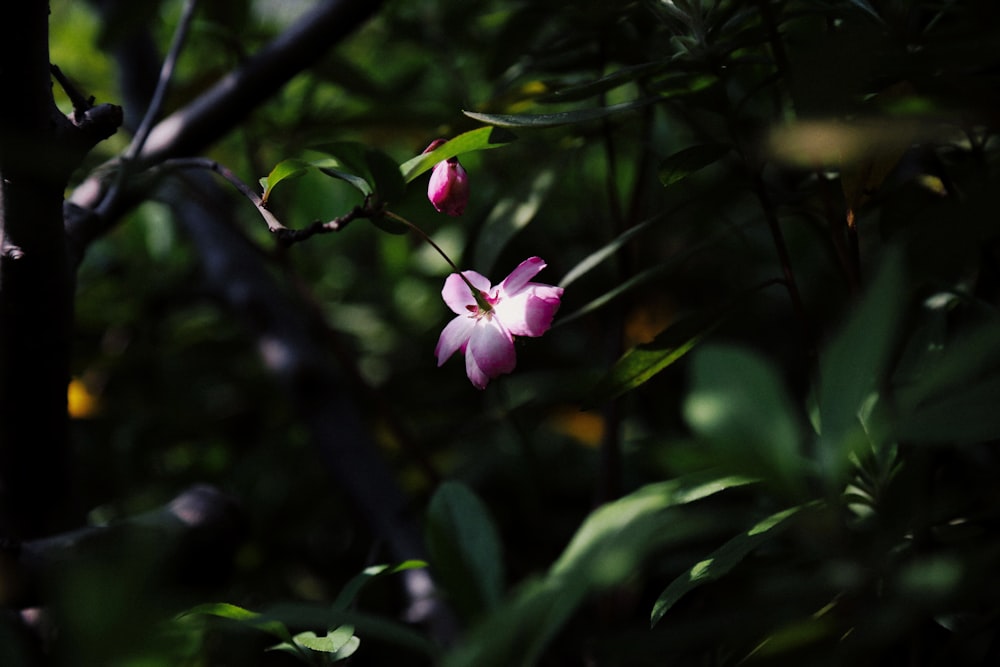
[(476, 293)]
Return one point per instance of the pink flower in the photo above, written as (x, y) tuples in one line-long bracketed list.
[(487, 322), (448, 188)]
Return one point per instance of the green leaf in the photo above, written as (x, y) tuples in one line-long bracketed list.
[(481, 139), (332, 642), (558, 118), (640, 364), (388, 182), (359, 183), (740, 407), (509, 216), (235, 613), (465, 548), (608, 82), (282, 171), (595, 258), (613, 530), (370, 627), (662, 268), (682, 164), (945, 362), (369, 170), (607, 549), (855, 363), (348, 163), (352, 588), (722, 560)]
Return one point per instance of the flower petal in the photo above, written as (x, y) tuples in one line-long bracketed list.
[(520, 276), (458, 296), (530, 311), (454, 337), (476, 375), (492, 346)]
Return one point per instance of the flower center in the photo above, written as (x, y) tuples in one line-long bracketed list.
[(484, 304)]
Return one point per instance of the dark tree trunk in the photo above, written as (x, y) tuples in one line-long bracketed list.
[(39, 148), (35, 303)]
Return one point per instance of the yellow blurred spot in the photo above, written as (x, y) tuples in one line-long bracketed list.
[(933, 184), (82, 403), (585, 427), (647, 320)]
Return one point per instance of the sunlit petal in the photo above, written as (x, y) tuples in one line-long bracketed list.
[(530, 311)]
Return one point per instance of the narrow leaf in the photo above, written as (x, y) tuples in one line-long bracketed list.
[(465, 548), (721, 561), (642, 363), (235, 613), (480, 139), (855, 362), (352, 588), (359, 183), (682, 164), (509, 216), (608, 82), (598, 256), (606, 550), (606, 528), (369, 170), (663, 268), (558, 118), (740, 407)]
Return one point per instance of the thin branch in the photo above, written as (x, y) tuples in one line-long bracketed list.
[(273, 224), (770, 214), (81, 104), (285, 235), (163, 84)]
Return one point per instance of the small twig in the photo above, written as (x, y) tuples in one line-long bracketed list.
[(290, 236), (760, 189), (163, 84), (81, 104), (285, 235), (110, 197)]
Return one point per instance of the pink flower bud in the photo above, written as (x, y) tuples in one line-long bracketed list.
[(448, 188)]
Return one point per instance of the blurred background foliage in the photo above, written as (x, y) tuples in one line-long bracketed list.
[(750, 134)]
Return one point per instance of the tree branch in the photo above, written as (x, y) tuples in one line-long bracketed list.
[(195, 534), (215, 113)]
